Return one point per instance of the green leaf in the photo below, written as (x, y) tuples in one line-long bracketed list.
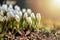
[(1, 35), (45, 29), (13, 25), (21, 23)]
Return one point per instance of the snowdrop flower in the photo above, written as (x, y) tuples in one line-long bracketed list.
[(16, 12), (10, 6), (29, 11), (17, 18), (25, 15), (33, 15), (38, 16), (4, 7), (1, 13), (23, 10), (29, 20), (5, 18), (10, 14), (38, 19), (19, 13), (1, 18), (10, 10), (17, 8)]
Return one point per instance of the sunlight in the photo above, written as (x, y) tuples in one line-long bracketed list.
[(56, 3)]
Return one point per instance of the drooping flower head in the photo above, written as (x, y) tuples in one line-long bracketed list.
[(17, 8), (32, 15), (4, 7), (10, 15), (23, 10), (10, 8), (29, 11), (19, 13), (38, 16), (17, 18), (25, 15), (29, 20), (1, 13), (1, 18)]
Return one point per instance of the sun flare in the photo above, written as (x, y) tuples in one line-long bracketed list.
[(56, 3)]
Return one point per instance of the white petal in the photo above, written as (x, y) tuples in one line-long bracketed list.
[(29, 20), (10, 14), (23, 10), (10, 6), (17, 18), (5, 18), (16, 12), (10, 10), (29, 11), (1, 13), (1, 18), (20, 14), (4, 7), (38, 16), (17, 8), (33, 15), (25, 15)]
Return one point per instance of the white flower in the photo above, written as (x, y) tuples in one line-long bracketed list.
[(10, 14), (29, 11), (17, 18), (1, 13), (16, 12), (23, 10), (38, 16), (10, 6), (4, 7), (33, 15), (10, 10), (5, 18), (25, 15), (1, 18), (19, 13), (17, 8), (29, 20)]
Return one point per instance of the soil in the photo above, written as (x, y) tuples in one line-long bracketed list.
[(30, 35)]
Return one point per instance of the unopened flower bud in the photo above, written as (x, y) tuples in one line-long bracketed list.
[(25, 15), (29, 20), (38, 16), (33, 15), (29, 11), (23, 10)]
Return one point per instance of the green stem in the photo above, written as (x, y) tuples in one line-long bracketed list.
[(3, 28), (12, 26), (20, 23)]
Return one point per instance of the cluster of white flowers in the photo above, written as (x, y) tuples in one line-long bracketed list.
[(7, 12)]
